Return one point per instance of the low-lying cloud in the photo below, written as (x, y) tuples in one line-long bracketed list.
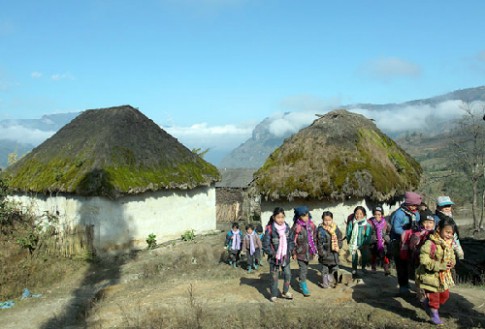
[(24, 135), (202, 135), (431, 118), (395, 119), (289, 123)]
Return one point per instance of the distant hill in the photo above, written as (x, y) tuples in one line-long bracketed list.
[(253, 152), (8, 146), (47, 123), (467, 95)]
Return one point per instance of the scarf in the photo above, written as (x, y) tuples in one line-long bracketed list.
[(252, 247), (283, 246), (379, 226), (446, 278), (414, 225), (236, 240), (355, 234), (331, 230), (308, 227)]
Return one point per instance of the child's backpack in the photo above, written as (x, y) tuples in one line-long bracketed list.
[(416, 242), (404, 250)]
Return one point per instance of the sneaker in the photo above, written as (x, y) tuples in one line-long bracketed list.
[(256, 267), (287, 295), (250, 270), (273, 299)]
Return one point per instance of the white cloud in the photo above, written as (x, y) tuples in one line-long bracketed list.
[(301, 112), (36, 75), (419, 117), (225, 137), (62, 76), (389, 68), (289, 123), (23, 134)]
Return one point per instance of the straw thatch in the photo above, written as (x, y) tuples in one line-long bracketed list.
[(341, 156), (110, 152)]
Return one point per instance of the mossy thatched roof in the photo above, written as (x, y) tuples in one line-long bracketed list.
[(110, 152), (341, 156)]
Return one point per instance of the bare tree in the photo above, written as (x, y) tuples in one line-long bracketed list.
[(468, 154)]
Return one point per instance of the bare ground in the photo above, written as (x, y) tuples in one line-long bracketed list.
[(185, 285)]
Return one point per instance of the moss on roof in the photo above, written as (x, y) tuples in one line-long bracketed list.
[(110, 152), (342, 155)]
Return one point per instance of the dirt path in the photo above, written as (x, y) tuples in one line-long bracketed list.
[(187, 281)]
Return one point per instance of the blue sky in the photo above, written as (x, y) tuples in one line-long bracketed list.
[(230, 63)]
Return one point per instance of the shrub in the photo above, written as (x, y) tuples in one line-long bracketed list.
[(188, 235), (151, 241)]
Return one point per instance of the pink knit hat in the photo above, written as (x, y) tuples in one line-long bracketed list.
[(411, 198)]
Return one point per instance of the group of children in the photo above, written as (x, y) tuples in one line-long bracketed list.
[(422, 244)]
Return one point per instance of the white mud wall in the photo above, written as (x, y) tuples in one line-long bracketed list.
[(126, 222)]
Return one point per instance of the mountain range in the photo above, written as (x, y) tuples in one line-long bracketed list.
[(395, 119)]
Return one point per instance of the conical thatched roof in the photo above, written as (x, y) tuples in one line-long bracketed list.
[(341, 156), (110, 152)]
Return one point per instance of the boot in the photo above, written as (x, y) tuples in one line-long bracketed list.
[(332, 282), (325, 281), (435, 316), (426, 306), (304, 289), (387, 271), (404, 291)]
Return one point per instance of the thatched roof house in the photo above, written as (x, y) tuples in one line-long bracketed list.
[(341, 158), (118, 171)]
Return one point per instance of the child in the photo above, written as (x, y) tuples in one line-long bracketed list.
[(380, 240), (233, 244), (278, 246), (329, 243), (260, 233), (359, 233), (419, 237), (304, 235), (252, 244), (416, 241), (444, 209), (437, 258)]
